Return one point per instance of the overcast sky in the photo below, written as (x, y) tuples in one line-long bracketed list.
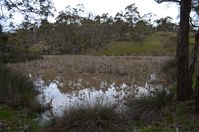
[(113, 6), (98, 7)]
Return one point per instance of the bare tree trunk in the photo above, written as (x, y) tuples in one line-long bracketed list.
[(183, 84)]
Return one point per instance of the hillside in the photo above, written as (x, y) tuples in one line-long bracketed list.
[(159, 43)]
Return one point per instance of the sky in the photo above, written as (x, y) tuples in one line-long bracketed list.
[(97, 7)]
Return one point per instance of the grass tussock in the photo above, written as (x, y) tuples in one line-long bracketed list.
[(151, 107), (97, 118), (15, 89)]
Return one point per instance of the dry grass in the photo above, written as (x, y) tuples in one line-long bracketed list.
[(149, 108), (132, 70), (16, 89), (97, 118)]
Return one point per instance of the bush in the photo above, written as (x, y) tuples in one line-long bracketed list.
[(98, 118), (15, 56), (35, 50), (12, 51), (169, 42), (169, 68), (15, 88), (151, 107)]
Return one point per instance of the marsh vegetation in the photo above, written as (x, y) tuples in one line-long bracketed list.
[(68, 83), (102, 73)]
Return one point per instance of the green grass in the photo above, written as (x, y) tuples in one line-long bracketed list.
[(128, 48), (156, 129), (152, 45), (18, 96), (5, 113), (15, 120), (185, 117), (181, 117)]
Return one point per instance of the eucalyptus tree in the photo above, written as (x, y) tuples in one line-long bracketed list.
[(140, 31), (185, 69), (131, 15), (27, 9), (120, 26), (166, 24), (149, 18)]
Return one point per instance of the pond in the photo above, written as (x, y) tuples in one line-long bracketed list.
[(65, 82), (52, 97), (60, 102)]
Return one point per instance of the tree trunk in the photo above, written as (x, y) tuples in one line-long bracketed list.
[(184, 91), (197, 95), (194, 59)]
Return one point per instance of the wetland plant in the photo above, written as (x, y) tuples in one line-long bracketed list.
[(99, 117), (150, 106), (16, 89)]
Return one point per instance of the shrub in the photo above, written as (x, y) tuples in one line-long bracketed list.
[(15, 56), (15, 88), (98, 118), (169, 42), (169, 69), (149, 107), (35, 50)]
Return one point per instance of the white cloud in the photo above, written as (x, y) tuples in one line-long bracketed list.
[(113, 6)]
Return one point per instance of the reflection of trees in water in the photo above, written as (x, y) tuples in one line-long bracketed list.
[(110, 94)]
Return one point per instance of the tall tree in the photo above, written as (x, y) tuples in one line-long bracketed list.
[(184, 70), (184, 88), (131, 15), (26, 8), (165, 24), (29, 9)]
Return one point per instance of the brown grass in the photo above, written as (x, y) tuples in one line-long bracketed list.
[(93, 69)]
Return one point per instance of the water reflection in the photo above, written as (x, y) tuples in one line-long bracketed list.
[(51, 95)]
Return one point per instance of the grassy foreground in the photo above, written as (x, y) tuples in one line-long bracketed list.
[(178, 116), (17, 101), (15, 120)]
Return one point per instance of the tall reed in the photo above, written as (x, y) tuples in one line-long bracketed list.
[(15, 88)]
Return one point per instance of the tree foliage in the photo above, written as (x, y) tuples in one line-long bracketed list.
[(165, 24), (26, 7), (75, 32), (14, 49)]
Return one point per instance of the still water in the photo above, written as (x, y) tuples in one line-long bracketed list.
[(59, 102)]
